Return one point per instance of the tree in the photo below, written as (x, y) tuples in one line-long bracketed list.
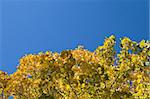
[(81, 74)]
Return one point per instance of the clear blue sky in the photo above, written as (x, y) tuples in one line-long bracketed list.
[(31, 26)]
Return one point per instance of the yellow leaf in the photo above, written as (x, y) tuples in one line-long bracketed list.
[(68, 87), (83, 85), (142, 44)]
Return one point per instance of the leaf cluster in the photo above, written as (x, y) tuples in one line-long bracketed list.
[(82, 74)]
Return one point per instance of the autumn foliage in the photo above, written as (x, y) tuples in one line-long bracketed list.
[(81, 74)]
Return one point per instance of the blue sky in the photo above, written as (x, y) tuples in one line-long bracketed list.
[(31, 26)]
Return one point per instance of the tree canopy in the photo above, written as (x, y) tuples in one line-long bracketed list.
[(82, 74)]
